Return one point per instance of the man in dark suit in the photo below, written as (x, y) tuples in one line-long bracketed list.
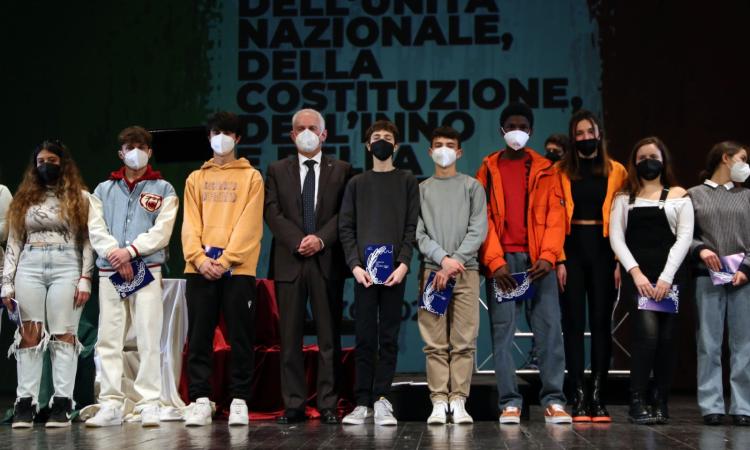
[(303, 196)]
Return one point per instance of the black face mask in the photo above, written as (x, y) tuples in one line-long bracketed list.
[(48, 172), (382, 149), (649, 169), (587, 147), (554, 157)]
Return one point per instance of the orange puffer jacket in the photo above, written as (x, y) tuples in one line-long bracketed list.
[(545, 211)]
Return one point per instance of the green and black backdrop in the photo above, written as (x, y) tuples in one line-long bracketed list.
[(82, 71)]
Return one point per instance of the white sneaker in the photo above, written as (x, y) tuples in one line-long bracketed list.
[(199, 413), (170, 414), (360, 415), (438, 416), (384, 412), (150, 416), (238, 412), (458, 412), (109, 415)]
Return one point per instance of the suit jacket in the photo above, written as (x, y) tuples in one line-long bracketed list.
[(283, 214)]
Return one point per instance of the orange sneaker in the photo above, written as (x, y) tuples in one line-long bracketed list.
[(555, 413), (511, 415)]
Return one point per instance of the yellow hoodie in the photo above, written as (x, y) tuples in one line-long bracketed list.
[(223, 208)]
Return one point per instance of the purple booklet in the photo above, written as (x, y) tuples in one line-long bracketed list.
[(729, 266), (669, 304), (524, 290)]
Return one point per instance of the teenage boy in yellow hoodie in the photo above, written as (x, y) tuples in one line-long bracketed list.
[(221, 234)]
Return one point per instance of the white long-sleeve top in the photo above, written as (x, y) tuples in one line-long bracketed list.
[(44, 224), (679, 212), (5, 199)]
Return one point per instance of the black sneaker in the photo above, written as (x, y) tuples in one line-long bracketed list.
[(23, 413), (59, 417), (713, 419)]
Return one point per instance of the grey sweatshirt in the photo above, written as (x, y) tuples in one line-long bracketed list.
[(721, 221), (452, 220)]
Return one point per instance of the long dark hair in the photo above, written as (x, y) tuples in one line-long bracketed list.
[(667, 179), (69, 189), (715, 155), (571, 161)]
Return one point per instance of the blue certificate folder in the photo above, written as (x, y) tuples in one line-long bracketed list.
[(669, 304), (141, 278), (15, 315), (379, 262), (215, 253), (524, 291), (436, 301)]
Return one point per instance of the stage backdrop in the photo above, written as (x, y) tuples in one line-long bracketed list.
[(419, 63), (88, 69)]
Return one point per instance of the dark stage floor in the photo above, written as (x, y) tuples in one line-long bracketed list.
[(685, 431)]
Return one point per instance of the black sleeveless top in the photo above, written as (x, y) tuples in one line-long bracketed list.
[(588, 193)]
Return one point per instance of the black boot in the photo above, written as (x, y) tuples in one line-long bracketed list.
[(597, 409), (23, 413), (580, 411), (59, 417), (638, 412), (659, 410)]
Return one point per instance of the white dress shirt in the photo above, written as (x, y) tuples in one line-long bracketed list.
[(303, 172)]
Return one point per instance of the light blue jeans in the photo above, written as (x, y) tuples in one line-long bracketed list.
[(45, 286), (715, 305), (545, 321)]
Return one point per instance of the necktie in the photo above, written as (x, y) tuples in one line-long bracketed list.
[(308, 198)]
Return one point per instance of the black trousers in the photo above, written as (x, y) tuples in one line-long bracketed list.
[(235, 296), (653, 345), (326, 309), (378, 321), (336, 303), (590, 265)]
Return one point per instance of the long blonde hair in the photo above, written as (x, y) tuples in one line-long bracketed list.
[(68, 189)]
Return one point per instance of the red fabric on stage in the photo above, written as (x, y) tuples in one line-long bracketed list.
[(266, 314), (266, 402)]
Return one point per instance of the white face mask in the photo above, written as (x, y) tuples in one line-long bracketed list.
[(135, 159), (739, 172), (222, 144), (516, 139), (444, 156), (307, 141)]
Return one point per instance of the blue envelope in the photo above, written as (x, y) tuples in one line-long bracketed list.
[(141, 278), (436, 301), (379, 262), (524, 291), (669, 304), (215, 253)]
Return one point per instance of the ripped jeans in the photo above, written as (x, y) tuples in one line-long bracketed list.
[(45, 286)]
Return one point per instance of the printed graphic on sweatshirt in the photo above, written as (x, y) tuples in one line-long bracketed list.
[(219, 191)]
